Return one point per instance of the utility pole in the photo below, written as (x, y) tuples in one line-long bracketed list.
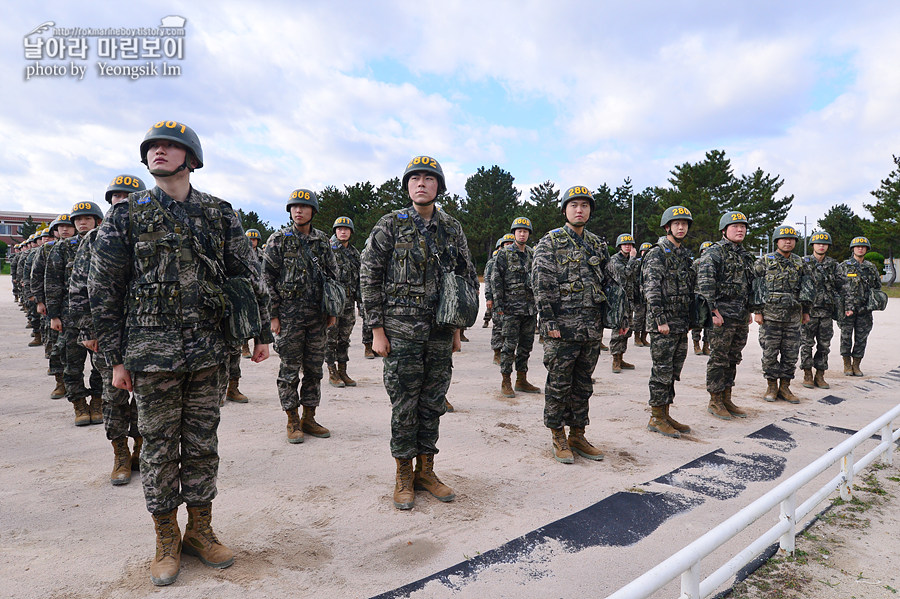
[(632, 215), (804, 235)]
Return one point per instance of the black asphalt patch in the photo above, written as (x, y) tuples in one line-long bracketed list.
[(832, 400), (774, 437), (722, 476)]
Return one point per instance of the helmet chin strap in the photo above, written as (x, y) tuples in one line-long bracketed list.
[(186, 165)]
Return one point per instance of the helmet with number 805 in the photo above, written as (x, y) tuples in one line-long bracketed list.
[(343, 221), (675, 213), (424, 164), (86, 209), (303, 197), (785, 232), (732, 218), (179, 133), (124, 184)]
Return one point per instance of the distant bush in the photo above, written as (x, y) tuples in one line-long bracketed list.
[(876, 259)]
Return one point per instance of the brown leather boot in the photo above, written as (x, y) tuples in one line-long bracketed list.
[(37, 339), (729, 405), (855, 367), (404, 495), (121, 472), (234, 394), (644, 339), (485, 324), (136, 454), (368, 354), (705, 350), (96, 409), (496, 356), (334, 378), (342, 373), (660, 424), (448, 406), (294, 429), (425, 479), (561, 451), (848, 366), (637, 340), (617, 363), (167, 561), (785, 393), (82, 413), (819, 380), (523, 385), (625, 365), (808, 378), (506, 389), (603, 346), (582, 446), (200, 540), (60, 390), (462, 336), (245, 350), (698, 351), (717, 408), (681, 428), (771, 390), (310, 426)]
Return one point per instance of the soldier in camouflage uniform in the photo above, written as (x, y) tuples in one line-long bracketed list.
[(668, 287), (159, 265), (38, 267), (337, 340), (497, 330), (295, 284), (257, 254), (624, 265), (698, 333), (724, 282), (639, 322), (782, 297), (400, 277), (859, 279), (569, 274), (514, 301), (819, 330), (34, 318)]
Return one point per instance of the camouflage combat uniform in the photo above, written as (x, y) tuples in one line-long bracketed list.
[(400, 282), (49, 336), (338, 336), (497, 327), (625, 270), (234, 350), (157, 306), (819, 330), (858, 280), (514, 299), (34, 319)]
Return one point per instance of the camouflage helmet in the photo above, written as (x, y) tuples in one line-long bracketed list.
[(46, 232), (62, 219), (343, 221), (578, 191), (732, 218), (675, 213), (521, 222), (425, 164), (252, 233), (785, 232), (623, 239), (124, 184), (860, 241), (508, 237), (177, 132), (821, 237), (86, 209), (705, 246), (303, 197)]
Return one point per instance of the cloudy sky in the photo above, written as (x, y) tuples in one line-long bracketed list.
[(580, 92)]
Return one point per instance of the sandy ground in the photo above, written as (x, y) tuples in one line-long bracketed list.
[(318, 517)]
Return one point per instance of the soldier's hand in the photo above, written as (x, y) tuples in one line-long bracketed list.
[(623, 331), (260, 352), (758, 317), (805, 318), (489, 304), (330, 321), (554, 333), (91, 344), (56, 324), (848, 313), (717, 319), (42, 309), (633, 252), (380, 343), (276, 326), (457, 342), (121, 378), (664, 329)]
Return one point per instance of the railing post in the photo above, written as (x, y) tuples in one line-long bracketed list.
[(788, 512), (847, 470), (887, 437), (690, 582)]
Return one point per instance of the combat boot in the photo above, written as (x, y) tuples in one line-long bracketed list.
[(660, 424), (506, 389), (425, 479), (698, 351), (333, 378), (234, 394), (617, 363), (294, 429), (82, 413), (625, 365), (200, 540), (729, 405), (603, 347), (496, 356), (368, 354), (121, 473), (462, 336), (165, 565), (561, 451), (404, 495), (785, 393), (808, 378), (448, 406), (717, 408), (342, 373), (771, 390), (136, 454), (37, 339), (582, 446), (681, 428), (848, 366), (96, 409), (855, 367), (644, 339), (245, 350), (819, 380), (522, 383), (485, 324), (706, 349), (60, 390), (637, 340), (310, 426)]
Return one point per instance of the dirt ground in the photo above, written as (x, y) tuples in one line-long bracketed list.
[(318, 518)]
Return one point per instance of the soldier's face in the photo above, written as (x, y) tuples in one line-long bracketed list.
[(820, 248), (65, 231), (522, 236), (254, 242), (84, 222), (679, 228), (736, 233), (626, 248), (342, 233), (860, 251), (786, 245), (506, 244), (301, 214), (165, 156), (422, 188), (578, 211), (117, 197)]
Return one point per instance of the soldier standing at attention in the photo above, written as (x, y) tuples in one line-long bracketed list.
[(819, 330), (514, 300), (160, 261), (256, 253), (337, 341), (668, 286), (781, 301), (497, 329), (61, 228), (37, 239), (297, 259), (699, 333), (400, 275), (640, 306), (725, 280), (860, 278), (624, 265), (569, 275)]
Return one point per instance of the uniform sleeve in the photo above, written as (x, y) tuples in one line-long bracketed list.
[(373, 264), (544, 282), (273, 260), (37, 276), (464, 265), (706, 279), (654, 271), (498, 273), (54, 281), (79, 300), (110, 274)]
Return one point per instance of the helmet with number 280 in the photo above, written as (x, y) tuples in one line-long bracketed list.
[(578, 191), (425, 164), (177, 132), (675, 213)]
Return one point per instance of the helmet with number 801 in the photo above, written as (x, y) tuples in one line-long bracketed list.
[(675, 213), (179, 133), (124, 184), (424, 164), (303, 197)]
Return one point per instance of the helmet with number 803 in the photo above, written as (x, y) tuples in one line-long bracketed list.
[(124, 184), (252, 234), (821, 237), (62, 219), (424, 164), (86, 209), (676, 213), (578, 191), (623, 239), (732, 218), (343, 221), (303, 197), (179, 133), (521, 222), (785, 232), (705, 246), (860, 242)]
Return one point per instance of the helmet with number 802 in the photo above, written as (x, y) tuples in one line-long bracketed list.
[(521, 222), (732, 218), (821, 237), (177, 132), (303, 197), (785, 232), (424, 164), (675, 213), (124, 184), (343, 221), (86, 209)]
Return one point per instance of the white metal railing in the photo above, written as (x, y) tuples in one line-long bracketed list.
[(686, 563)]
